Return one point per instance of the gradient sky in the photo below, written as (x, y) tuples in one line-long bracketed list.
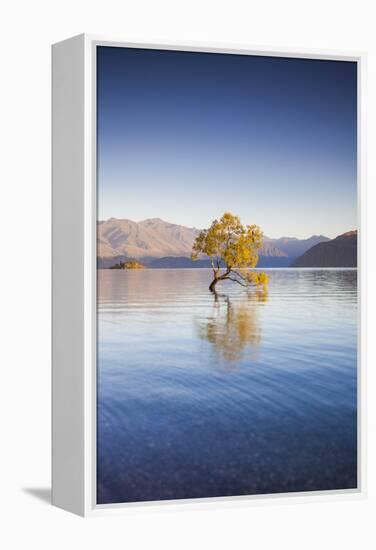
[(186, 136)]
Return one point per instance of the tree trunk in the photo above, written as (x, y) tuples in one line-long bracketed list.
[(212, 284), (218, 278)]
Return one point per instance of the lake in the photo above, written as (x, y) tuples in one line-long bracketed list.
[(237, 394)]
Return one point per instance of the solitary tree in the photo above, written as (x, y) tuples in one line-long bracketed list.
[(233, 247)]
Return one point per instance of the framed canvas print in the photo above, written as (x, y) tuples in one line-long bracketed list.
[(206, 274)]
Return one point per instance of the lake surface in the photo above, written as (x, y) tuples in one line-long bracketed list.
[(244, 393)]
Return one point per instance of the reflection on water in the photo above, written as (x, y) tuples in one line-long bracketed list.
[(232, 327), (246, 393)]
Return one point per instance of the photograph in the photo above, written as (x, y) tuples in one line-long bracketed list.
[(227, 288)]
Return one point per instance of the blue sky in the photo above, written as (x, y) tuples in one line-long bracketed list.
[(185, 136)]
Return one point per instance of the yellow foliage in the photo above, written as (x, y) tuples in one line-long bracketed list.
[(256, 278), (229, 242)]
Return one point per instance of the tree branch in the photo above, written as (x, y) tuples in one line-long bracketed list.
[(239, 275), (212, 263), (237, 281)]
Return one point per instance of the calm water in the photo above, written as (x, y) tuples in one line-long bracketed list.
[(243, 394)]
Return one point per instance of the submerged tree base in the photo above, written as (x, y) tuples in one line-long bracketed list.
[(212, 286), (242, 277)]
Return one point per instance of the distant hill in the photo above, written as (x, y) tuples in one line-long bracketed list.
[(339, 252), (153, 238), (293, 247), (183, 262), (158, 243), (177, 262)]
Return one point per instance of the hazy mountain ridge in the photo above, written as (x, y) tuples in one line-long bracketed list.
[(293, 247), (153, 240), (338, 252), (152, 237), (184, 262)]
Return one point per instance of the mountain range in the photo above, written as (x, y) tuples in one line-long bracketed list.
[(158, 243), (339, 252), (152, 238)]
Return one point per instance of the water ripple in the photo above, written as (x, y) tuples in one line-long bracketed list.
[(246, 393)]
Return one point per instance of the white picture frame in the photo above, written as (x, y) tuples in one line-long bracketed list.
[(74, 276)]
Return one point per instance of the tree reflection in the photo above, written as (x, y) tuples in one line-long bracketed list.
[(233, 327)]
